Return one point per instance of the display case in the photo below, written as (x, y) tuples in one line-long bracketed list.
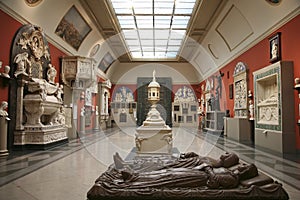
[(274, 107), (214, 121), (185, 114)]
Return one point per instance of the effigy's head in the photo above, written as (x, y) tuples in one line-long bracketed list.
[(247, 171), (229, 159)]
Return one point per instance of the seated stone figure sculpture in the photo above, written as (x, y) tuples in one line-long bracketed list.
[(190, 170)]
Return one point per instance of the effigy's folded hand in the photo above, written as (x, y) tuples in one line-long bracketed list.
[(188, 155), (202, 166)]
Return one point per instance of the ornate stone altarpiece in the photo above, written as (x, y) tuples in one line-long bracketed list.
[(123, 107), (240, 91), (239, 127), (274, 107), (185, 107), (38, 114)]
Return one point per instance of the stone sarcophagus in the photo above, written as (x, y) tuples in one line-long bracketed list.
[(42, 105)]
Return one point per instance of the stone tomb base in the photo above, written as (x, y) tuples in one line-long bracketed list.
[(154, 141), (40, 137)]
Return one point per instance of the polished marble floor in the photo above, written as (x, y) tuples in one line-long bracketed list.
[(69, 171)]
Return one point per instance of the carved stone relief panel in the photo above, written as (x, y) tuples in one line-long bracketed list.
[(268, 97), (240, 91)]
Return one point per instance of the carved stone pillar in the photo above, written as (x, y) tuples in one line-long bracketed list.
[(19, 111), (19, 133)]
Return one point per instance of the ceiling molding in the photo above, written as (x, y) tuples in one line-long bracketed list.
[(227, 28)]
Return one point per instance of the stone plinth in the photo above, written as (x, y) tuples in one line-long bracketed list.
[(154, 140), (40, 137), (154, 136)]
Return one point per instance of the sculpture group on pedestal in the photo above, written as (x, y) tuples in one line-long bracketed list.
[(154, 136)]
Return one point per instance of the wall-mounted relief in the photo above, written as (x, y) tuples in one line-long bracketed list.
[(123, 107), (185, 107), (274, 107), (184, 94), (73, 28), (123, 94), (94, 50), (267, 97), (106, 61), (240, 90)]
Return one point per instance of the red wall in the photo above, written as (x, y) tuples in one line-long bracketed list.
[(6, 39), (7, 34), (257, 57)]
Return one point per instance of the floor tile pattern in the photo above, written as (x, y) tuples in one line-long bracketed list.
[(69, 171)]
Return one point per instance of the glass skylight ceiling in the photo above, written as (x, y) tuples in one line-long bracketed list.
[(153, 29)]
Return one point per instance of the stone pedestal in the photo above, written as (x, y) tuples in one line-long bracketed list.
[(3, 136), (82, 124), (238, 129), (41, 137), (96, 123), (154, 140)]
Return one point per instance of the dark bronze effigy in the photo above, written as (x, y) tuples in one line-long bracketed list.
[(189, 176)]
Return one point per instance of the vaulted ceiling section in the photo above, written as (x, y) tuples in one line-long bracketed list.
[(103, 15)]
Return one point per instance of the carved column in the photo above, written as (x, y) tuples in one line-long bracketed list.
[(19, 133), (19, 111)]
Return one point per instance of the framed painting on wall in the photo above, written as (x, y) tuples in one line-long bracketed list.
[(106, 61), (73, 28), (275, 48), (231, 91)]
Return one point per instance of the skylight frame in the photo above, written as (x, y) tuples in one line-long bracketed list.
[(154, 26)]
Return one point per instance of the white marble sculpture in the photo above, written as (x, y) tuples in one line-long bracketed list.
[(3, 107), (6, 71), (22, 62), (3, 128), (51, 74), (251, 110), (184, 94)]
